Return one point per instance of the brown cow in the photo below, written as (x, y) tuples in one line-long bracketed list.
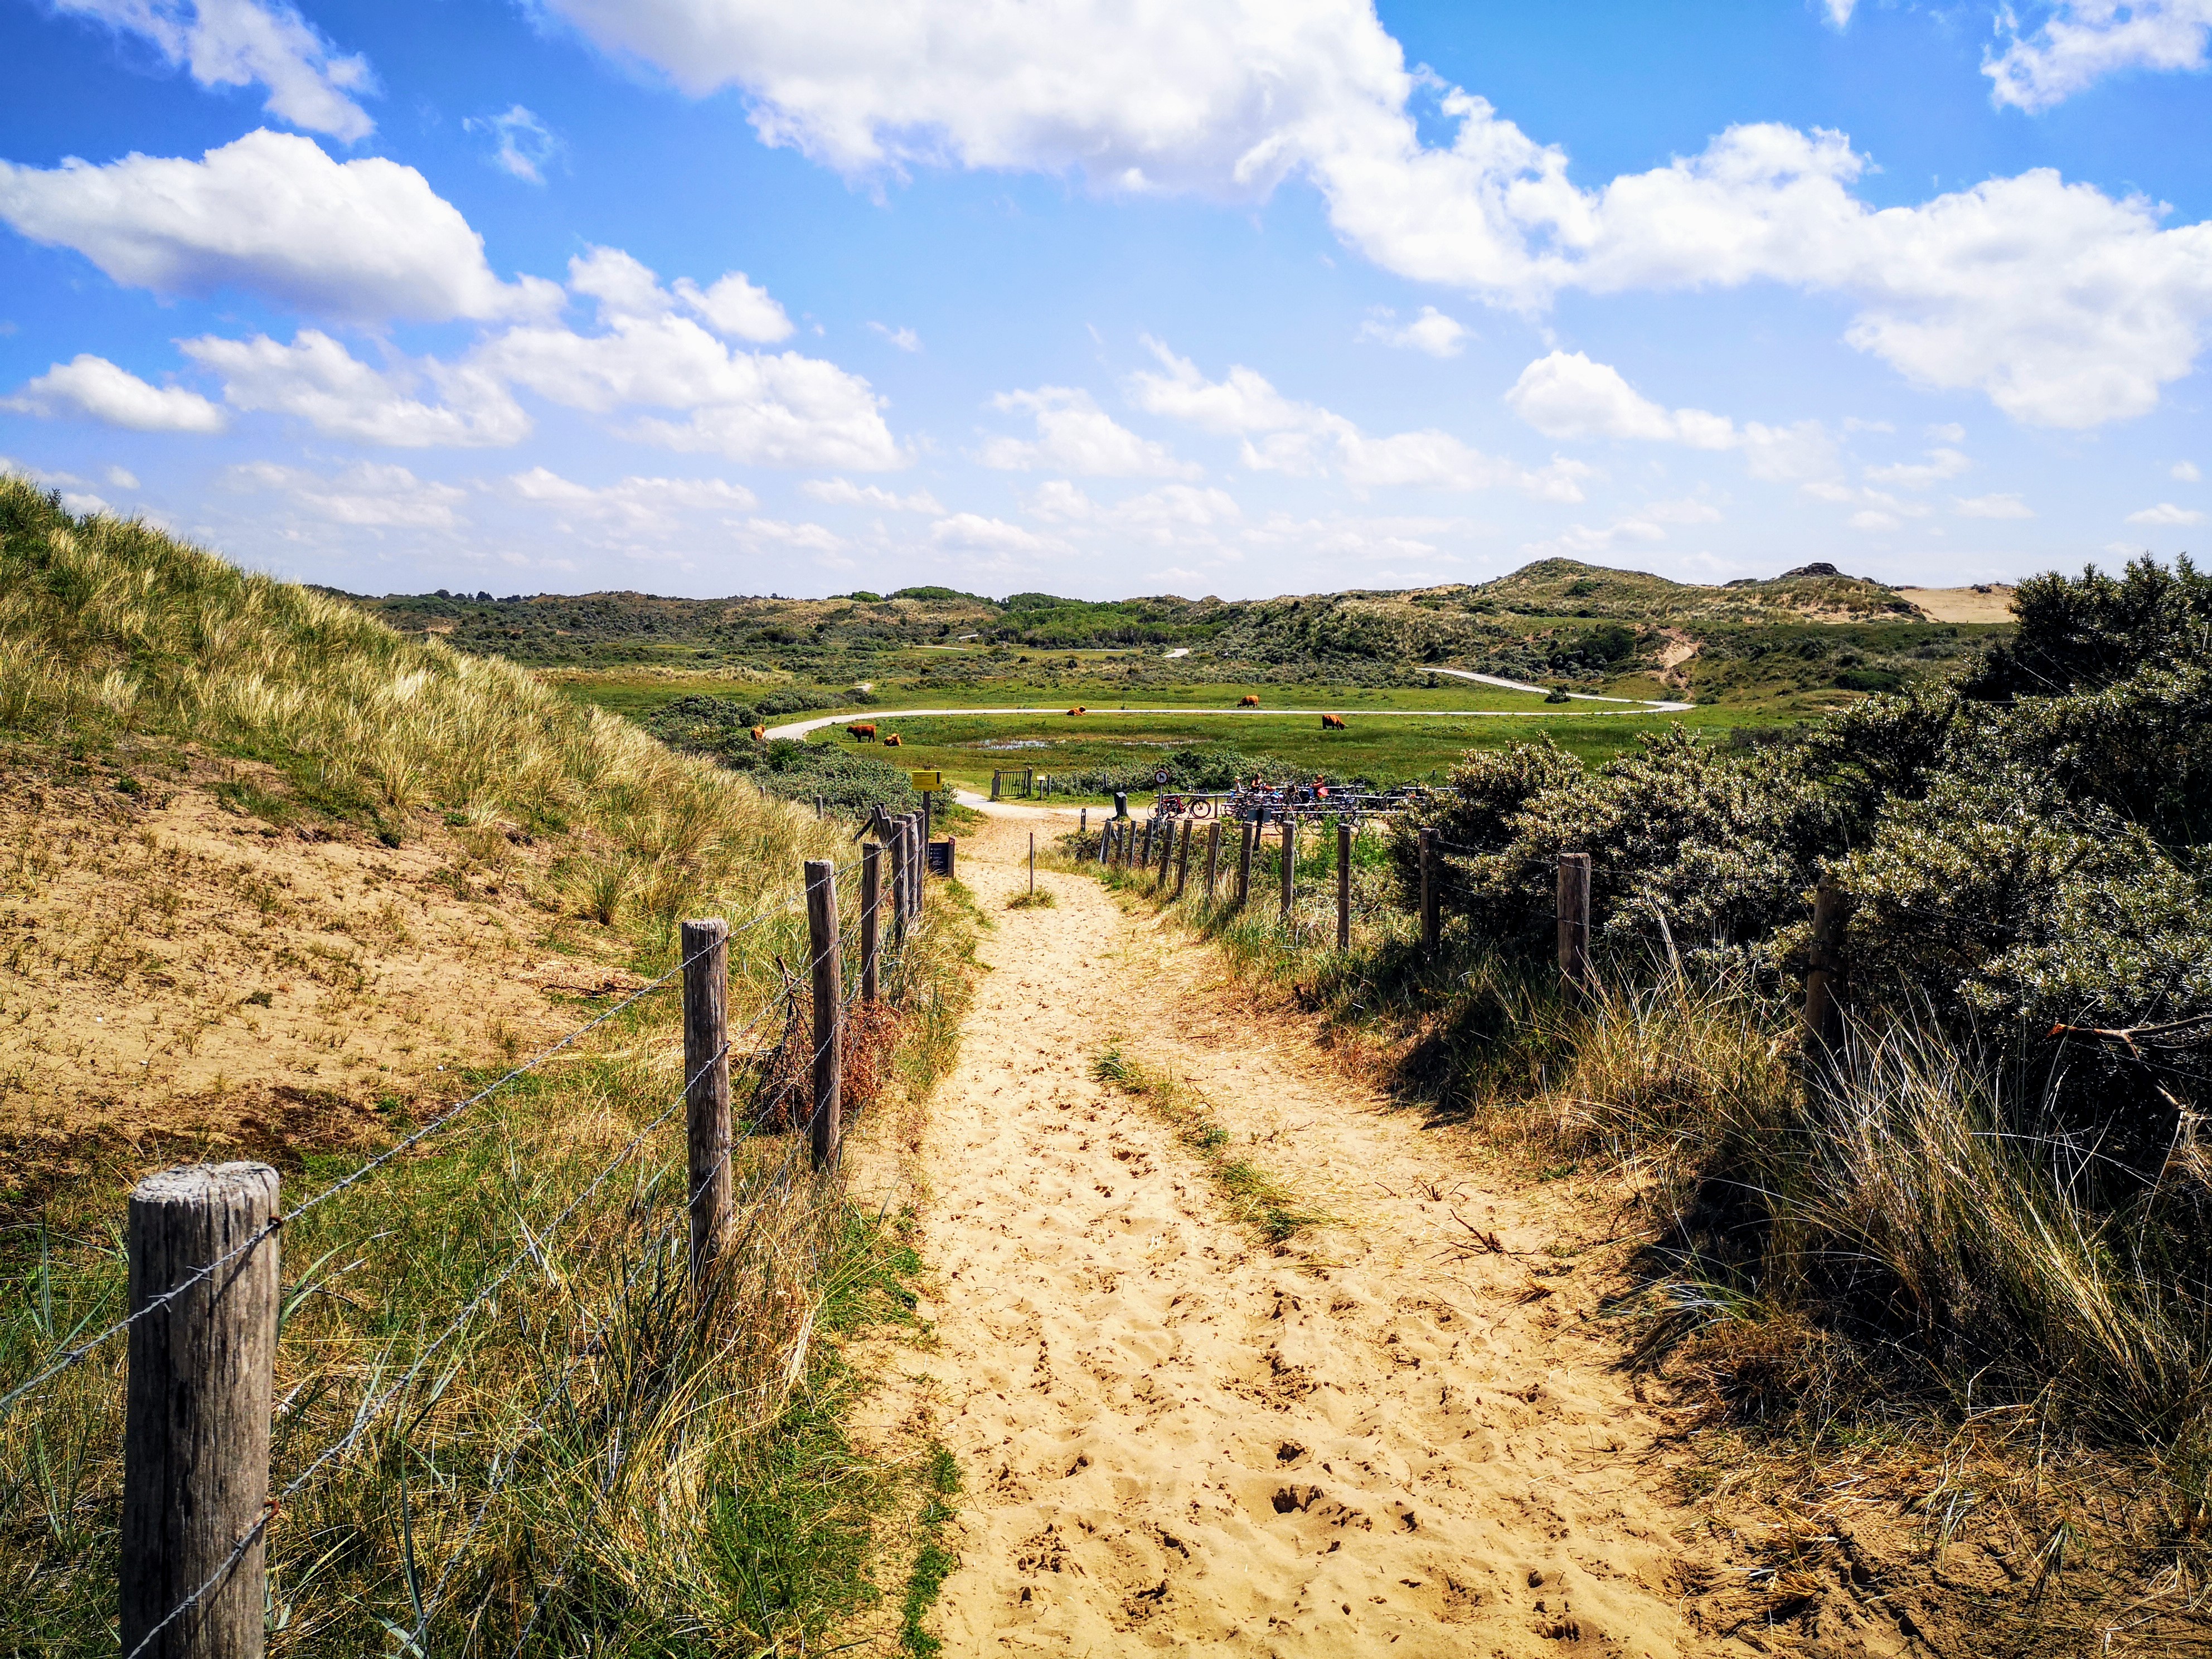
[(760, 735), (1248, 702), (1079, 711), (1332, 723), (857, 733), (894, 741)]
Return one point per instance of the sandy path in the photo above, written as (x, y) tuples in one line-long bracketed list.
[(1174, 1435)]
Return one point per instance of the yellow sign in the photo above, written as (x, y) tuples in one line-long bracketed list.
[(929, 782)]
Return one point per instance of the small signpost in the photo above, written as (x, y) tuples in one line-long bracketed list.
[(936, 856)]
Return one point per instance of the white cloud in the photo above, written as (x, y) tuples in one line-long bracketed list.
[(1941, 463), (1839, 11), (1432, 331), (526, 146), (1874, 521), (1581, 541), (2066, 307), (842, 492), (316, 379), (242, 43), (1303, 438), (365, 496), (2082, 41), (1566, 395), (1949, 433), (1345, 536), (366, 239), (973, 534), (2186, 472), (1689, 510), (93, 387), (771, 409), (1992, 506), (904, 338), (1075, 435), (1174, 515), (736, 309), (637, 498), (2165, 512), (121, 477)]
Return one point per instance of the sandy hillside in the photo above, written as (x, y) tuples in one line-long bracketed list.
[(1991, 603), (1174, 1435), (170, 965)]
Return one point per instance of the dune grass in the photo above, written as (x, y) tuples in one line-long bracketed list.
[(516, 1428)]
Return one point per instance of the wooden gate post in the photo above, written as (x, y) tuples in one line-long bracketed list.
[(1432, 910), (1824, 977), (872, 888), (705, 946), (995, 783), (1212, 856), (1575, 921), (826, 1126), (196, 1412), (1290, 860), (1251, 833), (1343, 885)]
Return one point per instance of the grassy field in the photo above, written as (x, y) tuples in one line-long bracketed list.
[(1392, 750)]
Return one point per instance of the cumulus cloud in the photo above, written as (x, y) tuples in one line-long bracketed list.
[(2165, 512), (1282, 434), (769, 409), (316, 379), (93, 387), (363, 240), (1184, 516), (1075, 435), (1941, 463), (2065, 306), (843, 492), (1992, 506), (991, 540), (637, 500), (524, 146), (1432, 331), (242, 43), (2082, 42), (1566, 395), (365, 496)]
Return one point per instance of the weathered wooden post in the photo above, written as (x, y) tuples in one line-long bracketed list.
[(1431, 908), (826, 1125), (1032, 863), (705, 946), (871, 886), (995, 783), (1343, 885), (1212, 856), (1182, 859), (1825, 974), (1575, 922), (1145, 861), (1250, 834), (196, 1412), (902, 882), (1167, 851), (1290, 860)]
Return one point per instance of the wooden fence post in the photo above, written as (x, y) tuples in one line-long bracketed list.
[(1431, 907), (995, 783), (1212, 856), (1824, 977), (705, 951), (872, 888), (1167, 850), (1343, 885), (1575, 921), (1032, 861), (1290, 860), (196, 1412), (826, 1126), (1251, 833), (1146, 862), (1182, 859), (902, 882)]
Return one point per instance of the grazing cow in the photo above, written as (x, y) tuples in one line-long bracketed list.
[(1332, 723), (1079, 711), (760, 735), (894, 741), (861, 733), (1249, 701)]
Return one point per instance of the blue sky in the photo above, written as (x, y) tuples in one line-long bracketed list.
[(1109, 296)]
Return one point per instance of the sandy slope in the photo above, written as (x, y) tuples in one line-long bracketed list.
[(1174, 1435)]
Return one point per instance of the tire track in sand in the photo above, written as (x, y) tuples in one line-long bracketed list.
[(1174, 1435)]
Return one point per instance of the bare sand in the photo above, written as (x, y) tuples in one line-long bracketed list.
[(1174, 1435), (1989, 603)]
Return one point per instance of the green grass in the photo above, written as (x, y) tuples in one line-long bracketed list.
[(1255, 1196), (932, 1563)]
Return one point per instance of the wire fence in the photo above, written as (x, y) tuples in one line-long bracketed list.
[(837, 935)]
